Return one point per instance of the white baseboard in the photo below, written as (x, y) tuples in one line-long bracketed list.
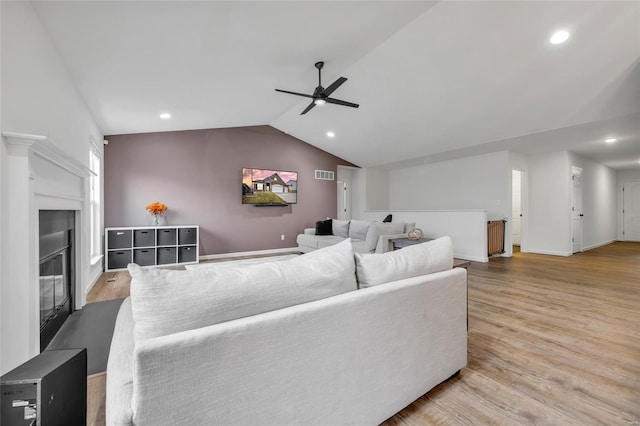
[(592, 246), (551, 252), (248, 253)]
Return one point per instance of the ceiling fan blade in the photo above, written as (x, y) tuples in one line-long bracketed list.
[(295, 93), (329, 90), (307, 109), (339, 102)]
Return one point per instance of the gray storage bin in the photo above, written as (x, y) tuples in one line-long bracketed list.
[(187, 236), (166, 255), (167, 237), (119, 239), (118, 259), (144, 257), (187, 254), (144, 238)]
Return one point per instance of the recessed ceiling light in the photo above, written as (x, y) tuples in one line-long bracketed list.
[(559, 37), (165, 116), (610, 140), (330, 134)]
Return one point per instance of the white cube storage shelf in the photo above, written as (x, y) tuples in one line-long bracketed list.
[(151, 246)]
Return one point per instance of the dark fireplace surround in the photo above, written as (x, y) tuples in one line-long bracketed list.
[(57, 271)]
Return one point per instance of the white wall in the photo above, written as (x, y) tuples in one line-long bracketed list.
[(623, 176), (377, 188), (632, 174), (549, 207), (467, 228), (358, 193), (471, 183), (599, 202), (38, 97), (481, 182)]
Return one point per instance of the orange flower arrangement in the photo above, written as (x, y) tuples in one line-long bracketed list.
[(156, 209)]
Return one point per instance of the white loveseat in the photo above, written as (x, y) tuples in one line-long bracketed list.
[(291, 342), (366, 236)]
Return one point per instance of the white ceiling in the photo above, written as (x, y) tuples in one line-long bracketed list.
[(434, 79)]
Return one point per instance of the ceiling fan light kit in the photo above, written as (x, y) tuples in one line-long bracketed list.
[(320, 94)]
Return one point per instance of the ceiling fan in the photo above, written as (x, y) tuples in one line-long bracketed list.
[(320, 94)]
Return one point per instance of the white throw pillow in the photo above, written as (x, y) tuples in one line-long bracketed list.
[(420, 259), (165, 302), (340, 228), (358, 229), (377, 228)]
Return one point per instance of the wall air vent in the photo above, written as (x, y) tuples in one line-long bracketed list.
[(325, 175)]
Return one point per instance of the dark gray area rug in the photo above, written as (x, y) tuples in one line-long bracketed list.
[(91, 328)]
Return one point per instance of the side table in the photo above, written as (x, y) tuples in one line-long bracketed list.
[(399, 243), (461, 263)]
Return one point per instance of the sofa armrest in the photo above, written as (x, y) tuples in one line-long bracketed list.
[(310, 231), (384, 242), (119, 387)]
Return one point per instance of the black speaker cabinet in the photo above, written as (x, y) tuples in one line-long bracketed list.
[(48, 390)]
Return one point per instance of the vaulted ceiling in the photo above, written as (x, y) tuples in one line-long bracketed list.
[(433, 79)]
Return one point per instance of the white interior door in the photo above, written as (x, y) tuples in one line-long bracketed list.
[(516, 206), (342, 213), (576, 209), (631, 211)]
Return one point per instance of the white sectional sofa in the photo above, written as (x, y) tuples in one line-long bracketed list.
[(326, 338), (366, 236)]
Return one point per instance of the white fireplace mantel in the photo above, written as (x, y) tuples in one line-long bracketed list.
[(40, 176)]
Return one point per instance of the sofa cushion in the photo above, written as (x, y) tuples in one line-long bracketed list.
[(359, 246), (165, 301), (324, 227), (420, 259), (376, 229), (341, 228), (358, 229), (329, 240), (318, 241)]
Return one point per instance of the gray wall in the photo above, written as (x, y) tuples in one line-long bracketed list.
[(198, 173)]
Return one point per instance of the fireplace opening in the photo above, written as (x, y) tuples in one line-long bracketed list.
[(57, 271)]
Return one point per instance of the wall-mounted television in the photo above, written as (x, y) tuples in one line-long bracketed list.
[(263, 187)]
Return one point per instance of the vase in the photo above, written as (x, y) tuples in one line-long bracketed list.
[(158, 220)]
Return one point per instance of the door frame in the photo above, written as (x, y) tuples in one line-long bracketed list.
[(342, 194), (524, 210), (621, 207), (576, 171)]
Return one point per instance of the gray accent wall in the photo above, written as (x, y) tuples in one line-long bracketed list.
[(198, 175)]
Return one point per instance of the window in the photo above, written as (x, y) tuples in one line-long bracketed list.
[(95, 203)]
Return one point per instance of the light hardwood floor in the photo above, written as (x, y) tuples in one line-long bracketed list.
[(552, 341)]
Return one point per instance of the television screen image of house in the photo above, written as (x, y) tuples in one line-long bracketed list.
[(260, 186)]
